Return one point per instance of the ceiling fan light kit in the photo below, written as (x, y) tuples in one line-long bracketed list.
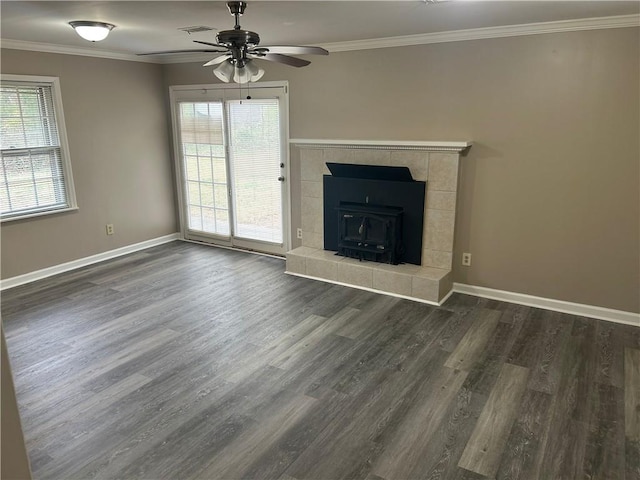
[(253, 72), (92, 31), (225, 71), (239, 48)]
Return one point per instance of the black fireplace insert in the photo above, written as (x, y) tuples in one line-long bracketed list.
[(373, 213), (370, 232)]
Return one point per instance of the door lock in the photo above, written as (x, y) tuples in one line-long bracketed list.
[(281, 179)]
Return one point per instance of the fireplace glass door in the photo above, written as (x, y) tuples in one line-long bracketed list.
[(232, 167)]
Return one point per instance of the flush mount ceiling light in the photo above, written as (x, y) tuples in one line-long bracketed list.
[(92, 31)]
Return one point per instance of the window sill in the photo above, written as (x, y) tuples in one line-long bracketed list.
[(38, 214)]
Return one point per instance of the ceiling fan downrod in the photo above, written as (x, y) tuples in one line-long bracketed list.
[(238, 40), (236, 9)]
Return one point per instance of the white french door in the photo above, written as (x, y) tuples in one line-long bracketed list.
[(231, 165)]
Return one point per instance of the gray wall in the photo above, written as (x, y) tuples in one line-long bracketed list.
[(118, 140), (549, 194), (15, 462), (549, 197)]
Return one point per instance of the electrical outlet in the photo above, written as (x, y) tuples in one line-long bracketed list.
[(110, 229), (466, 259), (299, 233)]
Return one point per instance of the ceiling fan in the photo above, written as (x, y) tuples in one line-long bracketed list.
[(239, 48)]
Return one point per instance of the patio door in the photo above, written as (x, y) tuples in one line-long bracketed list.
[(232, 165)]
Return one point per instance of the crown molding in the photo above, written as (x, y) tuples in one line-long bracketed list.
[(68, 50), (597, 23), (90, 52)]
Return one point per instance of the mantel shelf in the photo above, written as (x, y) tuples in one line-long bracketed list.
[(429, 146)]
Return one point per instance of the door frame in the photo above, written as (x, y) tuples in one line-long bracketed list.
[(287, 237)]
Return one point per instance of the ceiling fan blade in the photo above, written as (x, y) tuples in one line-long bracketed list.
[(294, 49), (183, 51), (286, 59), (211, 44), (216, 61)]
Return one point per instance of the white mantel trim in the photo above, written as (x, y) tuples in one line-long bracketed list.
[(430, 146), (596, 23)]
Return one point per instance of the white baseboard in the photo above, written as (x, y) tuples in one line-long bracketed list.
[(367, 289), (618, 316), (83, 262)]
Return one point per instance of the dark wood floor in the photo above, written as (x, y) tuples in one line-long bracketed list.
[(185, 361)]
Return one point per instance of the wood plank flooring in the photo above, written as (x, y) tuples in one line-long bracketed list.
[(185, 361)]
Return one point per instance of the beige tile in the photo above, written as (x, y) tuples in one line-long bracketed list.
[(311, 189), (311, 163), (425, 288), (312, 239), (327, 255), (303, 251), (353, 272), (438, 200), (311, 206), (416, 161), (446, 285), (322, 268), (432, 273), (443, 171), (312, 223), (404, 268), (388, 281), (437, 259), (338, 155), (296, 264), (371, 157), (439, 225)]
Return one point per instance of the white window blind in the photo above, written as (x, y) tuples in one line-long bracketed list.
[(33, 177), (205, 173), (254, 148)]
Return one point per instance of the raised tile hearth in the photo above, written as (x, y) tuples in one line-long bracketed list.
[(434, 162), (411, 281)]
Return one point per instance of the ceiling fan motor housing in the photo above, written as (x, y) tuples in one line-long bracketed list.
[(238, 38)]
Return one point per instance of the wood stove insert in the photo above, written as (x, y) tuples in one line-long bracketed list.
[(370, 232), (373, 213)]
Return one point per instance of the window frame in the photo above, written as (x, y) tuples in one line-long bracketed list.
[(56, 94)]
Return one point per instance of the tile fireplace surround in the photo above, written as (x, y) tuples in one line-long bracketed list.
[(433, 162)]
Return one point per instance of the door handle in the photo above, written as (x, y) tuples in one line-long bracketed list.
[(281, 179)]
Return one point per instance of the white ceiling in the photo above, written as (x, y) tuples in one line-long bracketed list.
[(153, 25)]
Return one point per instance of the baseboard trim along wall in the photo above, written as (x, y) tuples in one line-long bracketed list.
[(618, 316), (335, 282), (83, 262)]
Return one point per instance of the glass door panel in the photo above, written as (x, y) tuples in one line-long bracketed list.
[(255, 156), (204, 167), (231, 155)]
